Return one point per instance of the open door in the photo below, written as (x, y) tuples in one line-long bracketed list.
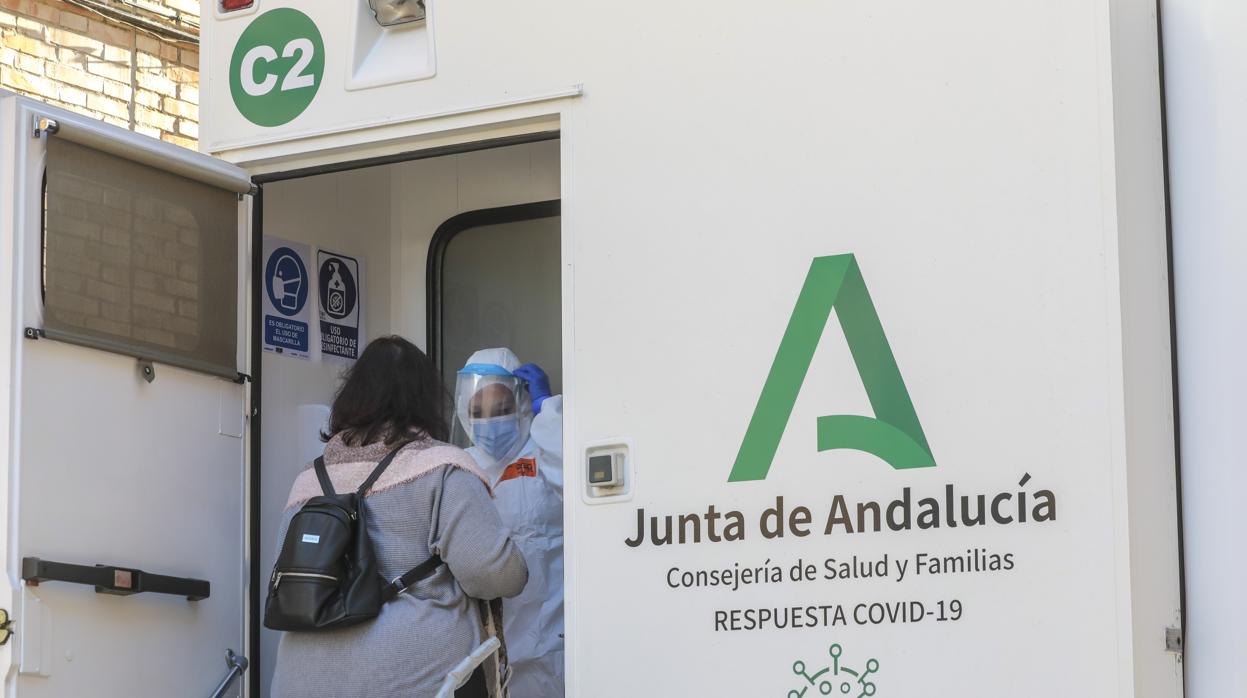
[(127, 469), (474, 234)]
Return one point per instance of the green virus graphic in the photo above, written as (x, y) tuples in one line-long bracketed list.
[(836, 679)]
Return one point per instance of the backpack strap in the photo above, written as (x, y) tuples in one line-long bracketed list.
[(415, 574), (326, 484), (376, 472)]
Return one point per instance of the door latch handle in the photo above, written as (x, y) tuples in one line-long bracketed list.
[(6, 627), (236, 665)]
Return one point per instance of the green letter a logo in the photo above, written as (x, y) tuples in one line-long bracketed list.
[(893, 434)]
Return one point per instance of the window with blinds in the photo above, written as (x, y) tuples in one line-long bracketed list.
[(139, 261)]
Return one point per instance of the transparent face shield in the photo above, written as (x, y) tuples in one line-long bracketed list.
[(493, 409)]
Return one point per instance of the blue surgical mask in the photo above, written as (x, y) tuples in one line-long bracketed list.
[(496, 435)]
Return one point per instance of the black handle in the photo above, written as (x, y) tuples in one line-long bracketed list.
[(107, 579)]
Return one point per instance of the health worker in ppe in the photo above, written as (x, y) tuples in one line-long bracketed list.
[(516, 428)]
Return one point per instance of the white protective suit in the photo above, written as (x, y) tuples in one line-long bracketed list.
[(528, 488)]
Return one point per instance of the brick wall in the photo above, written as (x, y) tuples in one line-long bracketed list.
[(142, 76)]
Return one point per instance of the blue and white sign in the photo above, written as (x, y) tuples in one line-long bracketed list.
[(287, 285), (341, 281)]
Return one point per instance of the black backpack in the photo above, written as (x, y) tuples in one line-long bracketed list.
[(326, 575)]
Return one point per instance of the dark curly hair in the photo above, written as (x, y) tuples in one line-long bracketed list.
[(391, 392)]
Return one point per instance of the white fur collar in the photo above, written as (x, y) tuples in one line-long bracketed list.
[(348, 466)]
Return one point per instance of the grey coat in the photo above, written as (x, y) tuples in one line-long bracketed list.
[(431, 499)]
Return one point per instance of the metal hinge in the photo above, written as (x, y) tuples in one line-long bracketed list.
[(1173, 640), (42, 125), (147, 370)]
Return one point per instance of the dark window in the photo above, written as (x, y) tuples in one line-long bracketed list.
[(495, 281)]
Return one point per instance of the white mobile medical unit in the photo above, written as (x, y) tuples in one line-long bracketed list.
[(861, 311)]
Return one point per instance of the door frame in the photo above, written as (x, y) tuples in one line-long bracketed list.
[(256, 575)]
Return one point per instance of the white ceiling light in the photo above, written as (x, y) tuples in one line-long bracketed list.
[(392, 12)]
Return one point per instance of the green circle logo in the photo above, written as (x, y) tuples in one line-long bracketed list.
[(277, 67)]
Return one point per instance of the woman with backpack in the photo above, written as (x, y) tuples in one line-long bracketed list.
[(417, 511)]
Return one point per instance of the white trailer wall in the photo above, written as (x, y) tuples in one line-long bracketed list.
[(993, 166), (1206, 106)]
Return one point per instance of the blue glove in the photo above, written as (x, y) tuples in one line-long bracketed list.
[(538, 384)]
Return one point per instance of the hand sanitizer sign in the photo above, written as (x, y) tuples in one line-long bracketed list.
[(340, 281), (286, 287)]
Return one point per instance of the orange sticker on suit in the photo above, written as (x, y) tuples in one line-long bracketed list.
[(524, 467)]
